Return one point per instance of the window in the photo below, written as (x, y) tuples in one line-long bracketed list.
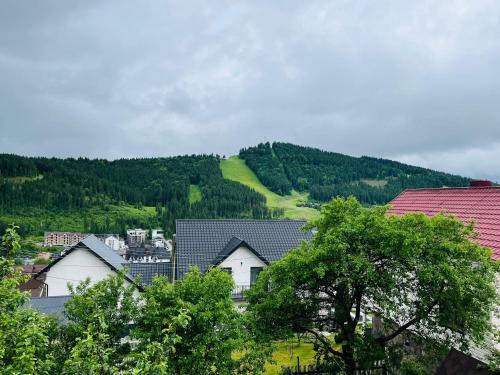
[(229, 270), (254, 273)]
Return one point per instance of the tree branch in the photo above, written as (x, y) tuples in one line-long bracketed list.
[(326, 343), (411, 322)]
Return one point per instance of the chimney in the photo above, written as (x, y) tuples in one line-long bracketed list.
[(480, 183)]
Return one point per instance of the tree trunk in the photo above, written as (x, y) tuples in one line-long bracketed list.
[(350, 365)]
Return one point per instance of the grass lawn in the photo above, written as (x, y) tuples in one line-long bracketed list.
[(195, 194), (236, 169), (286, 355)]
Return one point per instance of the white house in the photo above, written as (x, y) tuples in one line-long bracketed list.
[(241, 261), (240, 247), (89, 258)]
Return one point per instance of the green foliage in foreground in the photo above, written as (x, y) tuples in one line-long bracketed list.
[(417, 274), (24, 333)]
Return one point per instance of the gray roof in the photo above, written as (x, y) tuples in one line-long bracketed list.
[(50, 305), (103, 251), (202, 242), (146, 271)]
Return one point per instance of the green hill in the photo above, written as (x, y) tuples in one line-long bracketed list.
[(235, 169), (265, 181), (283, 168)]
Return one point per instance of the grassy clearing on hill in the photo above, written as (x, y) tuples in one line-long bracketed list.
[(236, 169), (195, 194), (23, 179)]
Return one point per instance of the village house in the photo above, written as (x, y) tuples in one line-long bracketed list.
[(34, 286), (240, 247), (479, 203), (89, 258)]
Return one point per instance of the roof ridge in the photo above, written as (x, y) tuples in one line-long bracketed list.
[(454, 187), (245, 220)]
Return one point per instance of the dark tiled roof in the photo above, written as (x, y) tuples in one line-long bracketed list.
[(233, 244), (50, 305), (103, 251), (199, 242), (140, 252), (160, 253), (481, 204), (146, 271)]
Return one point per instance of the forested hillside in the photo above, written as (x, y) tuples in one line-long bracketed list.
[(108, 196), (283, 167)]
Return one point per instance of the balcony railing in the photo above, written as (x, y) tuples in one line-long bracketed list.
[(238, 291)]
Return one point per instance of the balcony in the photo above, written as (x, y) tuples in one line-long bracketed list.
[(238, 291)]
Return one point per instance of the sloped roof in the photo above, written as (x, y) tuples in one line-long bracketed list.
[(233, 244), (200, 242), (50, 305), (481, 204), (147, 271), (103, 251)]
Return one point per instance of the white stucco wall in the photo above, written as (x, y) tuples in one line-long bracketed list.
[(240, 262), (74, 268)]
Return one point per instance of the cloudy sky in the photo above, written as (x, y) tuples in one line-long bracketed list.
[(413, 81)]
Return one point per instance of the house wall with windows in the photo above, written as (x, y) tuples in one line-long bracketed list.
[(241, 261), (74, 268)]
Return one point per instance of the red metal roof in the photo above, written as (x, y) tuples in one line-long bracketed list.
[(481, 204)]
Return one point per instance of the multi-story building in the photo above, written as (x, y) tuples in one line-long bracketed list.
[(63, 238), (136, 237)]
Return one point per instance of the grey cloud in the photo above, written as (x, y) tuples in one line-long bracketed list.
[(417, 82)]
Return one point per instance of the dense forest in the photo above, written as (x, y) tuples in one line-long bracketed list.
[(283, 167), (44, 186)]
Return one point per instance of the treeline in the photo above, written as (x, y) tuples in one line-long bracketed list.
[(328, 174), (14, 165), (69, 185)]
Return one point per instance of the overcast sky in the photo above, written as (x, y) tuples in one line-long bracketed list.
[(416, 81)]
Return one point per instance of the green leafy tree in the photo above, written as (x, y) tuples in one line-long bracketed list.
[(215, 339), (418, 274), (184, 328), (24, 333), (93, 339)]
